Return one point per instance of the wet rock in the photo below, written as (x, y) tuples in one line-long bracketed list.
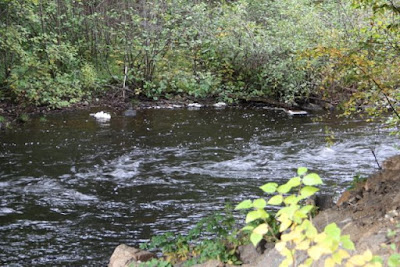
[(296, 112), (124, 256), (194, 105), (219, 105), (321, 201), (248, 253), (130, 112)]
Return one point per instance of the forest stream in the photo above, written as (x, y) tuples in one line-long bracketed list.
[(73, 188)]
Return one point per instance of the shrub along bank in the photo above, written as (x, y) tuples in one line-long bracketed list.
[(57, 53)]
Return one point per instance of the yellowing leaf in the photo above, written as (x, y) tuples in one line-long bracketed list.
[(303, 245), (262, 229), (285, 224), (286, 263), (280, 246), (269, 188), (367, 255), (292, 235), (315, 252), (329, 262), (356, 260)]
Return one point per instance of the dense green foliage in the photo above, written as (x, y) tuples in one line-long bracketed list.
[(55, 52), (213, 237)]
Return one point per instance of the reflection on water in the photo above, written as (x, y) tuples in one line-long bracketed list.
[(72, 188)]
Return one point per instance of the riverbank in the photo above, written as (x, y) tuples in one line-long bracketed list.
[(369, 213), (11, 113)]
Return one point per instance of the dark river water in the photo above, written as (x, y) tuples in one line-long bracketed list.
[(73, 188)]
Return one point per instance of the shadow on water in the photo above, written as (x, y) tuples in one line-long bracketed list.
[(73, 188)]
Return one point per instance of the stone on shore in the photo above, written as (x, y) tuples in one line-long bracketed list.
[(124, 256)]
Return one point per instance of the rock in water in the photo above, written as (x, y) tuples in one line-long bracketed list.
[(101, 116), (219, 105), (194, 105), (297, 112), (125, 256), (130, 112)]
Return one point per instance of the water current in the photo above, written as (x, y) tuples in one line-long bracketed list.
[(73, 188)]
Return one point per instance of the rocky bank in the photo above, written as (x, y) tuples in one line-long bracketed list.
[(367, 213)]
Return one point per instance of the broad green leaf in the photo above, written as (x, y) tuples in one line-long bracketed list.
[(259, 203), (298, 216), (311, 231), (333, 231), (262, 229), (308, 191), (292, 199), (269, 188), (248, 228), (377, 259), (347, 243), (263, 214), (294, 182), (312, 179), (275, 200), (301, 171), (252, 216), (255, 238), (283, 189), (306, 209), (245, 204)]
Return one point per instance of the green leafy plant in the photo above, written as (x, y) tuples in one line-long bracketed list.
[(393, 235), (298, 234), (292, 212), (213, 237)]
